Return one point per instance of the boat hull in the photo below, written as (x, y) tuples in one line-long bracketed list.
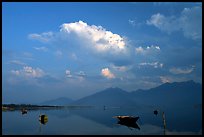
[(127, 119)]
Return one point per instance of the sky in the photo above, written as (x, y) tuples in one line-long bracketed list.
[(73, 50)]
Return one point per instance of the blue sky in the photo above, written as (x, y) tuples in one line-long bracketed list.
[(50, 50)]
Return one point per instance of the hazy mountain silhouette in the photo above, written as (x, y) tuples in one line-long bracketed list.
[(109, 97), (168, 94), (171, 94), (58, 101)]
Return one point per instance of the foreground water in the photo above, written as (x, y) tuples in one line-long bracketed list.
[(100, 121)]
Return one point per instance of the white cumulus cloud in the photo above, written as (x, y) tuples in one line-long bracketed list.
[(166, 24), (81, 73), (41, 49), (43, 37), (148, 49), (101, 40), (139, 50), (31, 72), (165, 79), (17, 62), (153, 64), (189, 21), (120, 68), (28, 71), (134, 23), (107, 73), (15, 72), (68, 73), (181, 70)]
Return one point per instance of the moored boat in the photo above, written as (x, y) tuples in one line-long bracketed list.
[(128, 119), (24, 111)]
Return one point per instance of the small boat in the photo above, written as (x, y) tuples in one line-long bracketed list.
[(43, 119), (127, 119), (24, 111)]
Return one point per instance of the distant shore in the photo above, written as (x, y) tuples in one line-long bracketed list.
[(13, 107)]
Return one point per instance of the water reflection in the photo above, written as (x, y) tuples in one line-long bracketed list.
[(129, 121), (130, 125), (98, 121)]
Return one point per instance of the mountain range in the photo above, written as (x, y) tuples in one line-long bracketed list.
[(58, 101), (168, 94)]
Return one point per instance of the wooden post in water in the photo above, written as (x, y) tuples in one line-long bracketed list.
[(164, 122)]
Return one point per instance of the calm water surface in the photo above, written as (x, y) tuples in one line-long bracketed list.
[(97, 121)]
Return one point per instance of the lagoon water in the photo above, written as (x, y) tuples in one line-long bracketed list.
[(100, 121)]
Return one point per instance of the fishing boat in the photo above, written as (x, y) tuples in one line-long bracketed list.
[(127, 119), (24, 111)]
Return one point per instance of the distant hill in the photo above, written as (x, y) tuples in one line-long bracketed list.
[(171, 94), (168, 94), (58, 101), (108, 97)]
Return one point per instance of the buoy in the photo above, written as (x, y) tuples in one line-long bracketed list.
[(43, 119), (156, 112)]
